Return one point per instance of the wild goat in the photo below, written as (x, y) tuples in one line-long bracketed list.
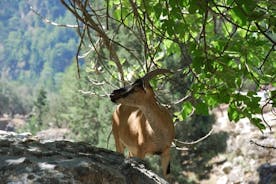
[(140, 123)]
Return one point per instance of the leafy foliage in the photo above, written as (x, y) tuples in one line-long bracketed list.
[(221, 52), (224, 47)]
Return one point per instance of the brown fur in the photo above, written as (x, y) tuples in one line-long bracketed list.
[(143, 126)]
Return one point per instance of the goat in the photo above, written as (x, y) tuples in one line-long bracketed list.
[(140, 123)]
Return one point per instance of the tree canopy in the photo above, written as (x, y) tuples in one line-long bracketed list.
[(224, 50)]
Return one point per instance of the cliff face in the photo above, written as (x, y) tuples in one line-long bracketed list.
[(24, 159)]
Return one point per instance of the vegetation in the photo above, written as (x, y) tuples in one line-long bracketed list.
[(221, 52), (31, 50), (224, 48)]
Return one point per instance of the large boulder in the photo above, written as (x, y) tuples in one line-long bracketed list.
[(25, 159)]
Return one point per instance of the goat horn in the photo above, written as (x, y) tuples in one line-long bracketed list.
[(153, 73)]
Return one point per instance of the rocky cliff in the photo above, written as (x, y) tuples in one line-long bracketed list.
[(250, 156), (25, 159)]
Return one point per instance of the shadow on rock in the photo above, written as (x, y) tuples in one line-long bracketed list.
[(195, 161)]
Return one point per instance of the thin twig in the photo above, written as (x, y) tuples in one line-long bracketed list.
[(267, 124), (92, 93), (203, 33), (186, 98), (78, 52), (228, 19), (264, 33), (266, 57), (228, 41), (51, 22), (261, 145)]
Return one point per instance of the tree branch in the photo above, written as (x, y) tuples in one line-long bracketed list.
[(194, 142), (203, 33), (80, 7)]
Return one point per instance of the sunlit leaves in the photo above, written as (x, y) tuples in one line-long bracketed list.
[(171, 47), (233, 113), (236, 114), (228, 45), (245, 106), (187, 109), (197, 6), (238, 15), (202, 108), (258, 123)]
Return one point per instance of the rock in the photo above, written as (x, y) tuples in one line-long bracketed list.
[(236, 175), (222, 180), (250, 154), (25, 159), (267, 173), (9, 123), (4, 122), (227, 167), (53, 134)]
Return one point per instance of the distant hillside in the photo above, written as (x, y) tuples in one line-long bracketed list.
[(30, 49)]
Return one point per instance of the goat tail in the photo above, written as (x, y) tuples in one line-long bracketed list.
[(107, 140)]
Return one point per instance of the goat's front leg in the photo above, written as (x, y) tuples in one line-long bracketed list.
[(140, 154)]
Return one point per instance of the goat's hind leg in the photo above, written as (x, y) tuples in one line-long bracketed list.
[(165, 161), (119, 146)]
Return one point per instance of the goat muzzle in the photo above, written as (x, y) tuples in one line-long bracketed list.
[(120, 93)]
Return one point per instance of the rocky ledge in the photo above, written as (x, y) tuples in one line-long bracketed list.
[(26, 159)]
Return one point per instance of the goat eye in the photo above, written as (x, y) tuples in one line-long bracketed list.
[(136, 89)]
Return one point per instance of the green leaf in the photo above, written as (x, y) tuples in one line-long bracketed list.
[(158, 10), (223, 97), (202, 109), (233, 113), (180, 28), (111, 63), (187, 109), (193, 6), (172, 47), (168, 26), (258, 123), (238, 15), (198, 63)]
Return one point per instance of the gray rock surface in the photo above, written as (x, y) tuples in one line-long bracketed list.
[(25, 159)]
